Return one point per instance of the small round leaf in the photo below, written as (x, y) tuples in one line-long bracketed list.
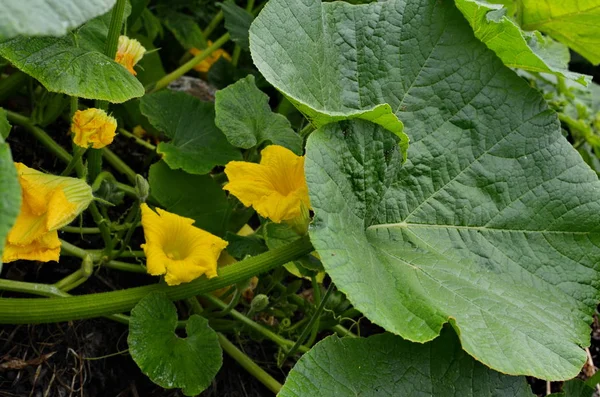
[(170, 361)]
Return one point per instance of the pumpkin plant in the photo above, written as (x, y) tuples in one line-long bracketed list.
[(427, 168)]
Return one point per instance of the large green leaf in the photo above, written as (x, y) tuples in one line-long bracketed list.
[(47, 17), (244, 115), (387, 365), (194, 196), (170, 361), (75, 64), (516, 48), (494, 229), (494, 221), (10, 199), (196, 145), (323, 67), (573, 22)]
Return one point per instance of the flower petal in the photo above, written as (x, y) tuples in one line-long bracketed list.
[(44, 249)]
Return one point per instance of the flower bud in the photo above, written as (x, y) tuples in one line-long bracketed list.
[(93, 127)]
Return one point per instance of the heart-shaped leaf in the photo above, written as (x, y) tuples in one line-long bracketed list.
[(196, 145), (47, 17), (194, 196), (494, 221), (244, 115), (518, 49), (387, 365), (324, 68), (170, 361)]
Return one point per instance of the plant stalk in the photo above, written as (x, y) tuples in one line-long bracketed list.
[(249, 365), (36, 311), (189, 65)]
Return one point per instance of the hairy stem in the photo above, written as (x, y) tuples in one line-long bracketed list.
[(35, 311)]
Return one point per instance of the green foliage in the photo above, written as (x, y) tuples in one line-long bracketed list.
[(516, 48), (10, 200), (237, 23), (296, 48), (572, 22), (388, 365), (244, 116), (75, 64), (194, 196), (170, 361), (196, 145), (5, 126), (185, 29), (473, 243), (47, 17)]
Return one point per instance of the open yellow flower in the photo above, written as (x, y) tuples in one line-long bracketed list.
[(93, 127), (48, 203), (177, 249), (129, 53), (276, 187), (206, 64)]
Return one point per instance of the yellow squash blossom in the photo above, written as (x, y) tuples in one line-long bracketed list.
[(177, 249), (276, 187), (93, 127), (48, 203), (129, 53), (206, 64)]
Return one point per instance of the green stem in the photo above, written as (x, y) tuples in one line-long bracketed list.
[(267, 333), (213, 24), (132, 217), (119, 164), (137, 140), (34, 311), (114, 30), (189, 65), (80, 230), (343, 331), (125, 267), (40, 135), (313, 320), (249, 365), (75, 160), (317, 296), (102, 223), (235, 57), (48, 291), (30, 288)]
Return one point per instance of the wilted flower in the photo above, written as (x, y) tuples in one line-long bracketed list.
[(129, 53), (206, 64), (276, 187), (93, 127), (177, 249), (48, 203)]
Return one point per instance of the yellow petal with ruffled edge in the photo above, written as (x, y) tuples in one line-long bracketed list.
[(129, 53), (44, 249), (93, 127), (276, 187), (177, 249), (48, 203)]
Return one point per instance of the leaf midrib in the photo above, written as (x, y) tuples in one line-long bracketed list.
[(408, 225)]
